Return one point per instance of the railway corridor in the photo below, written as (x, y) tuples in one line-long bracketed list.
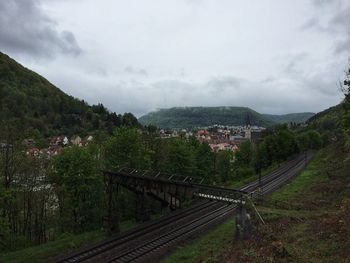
[(153, 240)]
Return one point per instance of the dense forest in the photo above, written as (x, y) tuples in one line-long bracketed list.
[(30, 102), (191, 117)]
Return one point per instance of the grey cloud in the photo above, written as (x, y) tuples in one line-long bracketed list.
[(293, 66), (221, 84), (338, 26), (224, 82), (25, 29), (313, 22), (321, 2), (311, 77), (135, 71), (342, 20), (172, 85)]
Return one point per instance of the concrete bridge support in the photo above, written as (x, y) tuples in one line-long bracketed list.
[(243, 224)]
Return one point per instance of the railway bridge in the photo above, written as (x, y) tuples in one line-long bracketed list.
[(170, 190)]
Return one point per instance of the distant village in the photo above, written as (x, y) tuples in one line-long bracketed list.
[(56, 145), (218, 137)]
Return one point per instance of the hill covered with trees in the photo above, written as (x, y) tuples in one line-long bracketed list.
[(190, 117), (290, 117), (35, 106)]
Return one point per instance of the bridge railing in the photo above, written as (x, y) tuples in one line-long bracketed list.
[(158, 175)]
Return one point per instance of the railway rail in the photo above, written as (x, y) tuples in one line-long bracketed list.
[(150, 241)]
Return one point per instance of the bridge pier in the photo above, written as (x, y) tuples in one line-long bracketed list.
[(111, 220), (243, 223), (174, 202), (142, 212)]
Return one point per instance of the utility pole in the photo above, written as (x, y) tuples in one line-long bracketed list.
[(258, 172)]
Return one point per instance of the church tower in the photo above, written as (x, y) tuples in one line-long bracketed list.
[(248, 129)]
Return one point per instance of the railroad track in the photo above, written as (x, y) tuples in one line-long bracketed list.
[(119, 240), (172, 236), (140, 244)]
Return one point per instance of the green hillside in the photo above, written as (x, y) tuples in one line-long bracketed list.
[(190, 117), (329, 120), (291, 117), (33, 104)]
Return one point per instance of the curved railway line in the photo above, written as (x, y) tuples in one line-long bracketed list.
[(150, 241)]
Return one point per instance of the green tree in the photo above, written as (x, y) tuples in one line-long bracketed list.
[(130, 120), (286, 143), (125, 149), (310, 139), (346, 115), (223, 165), (78, 186), (180, 158), (245, 156), (204, 162)]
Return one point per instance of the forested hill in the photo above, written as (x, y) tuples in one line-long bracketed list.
[(291, 117), (190, 117), (30, 102), (328, 121)]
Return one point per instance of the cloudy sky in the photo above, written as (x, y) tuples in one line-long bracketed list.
[(136, 56)]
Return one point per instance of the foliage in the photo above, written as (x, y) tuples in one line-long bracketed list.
[(180, 158), (38, 107), (346, 115), (204, 162), (290, 117), (276, 146), (209, 246), (124, 148), (245, 156), (78, 186), (310, 139), (329, 121)]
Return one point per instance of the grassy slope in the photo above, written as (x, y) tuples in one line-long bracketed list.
[(311, 222), (206, 248)]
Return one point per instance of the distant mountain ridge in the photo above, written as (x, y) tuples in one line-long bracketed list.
[(191, 117)]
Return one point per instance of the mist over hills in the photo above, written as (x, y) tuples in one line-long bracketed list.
[(190, 117)]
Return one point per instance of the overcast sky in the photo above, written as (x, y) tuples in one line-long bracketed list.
[(136, 56)]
